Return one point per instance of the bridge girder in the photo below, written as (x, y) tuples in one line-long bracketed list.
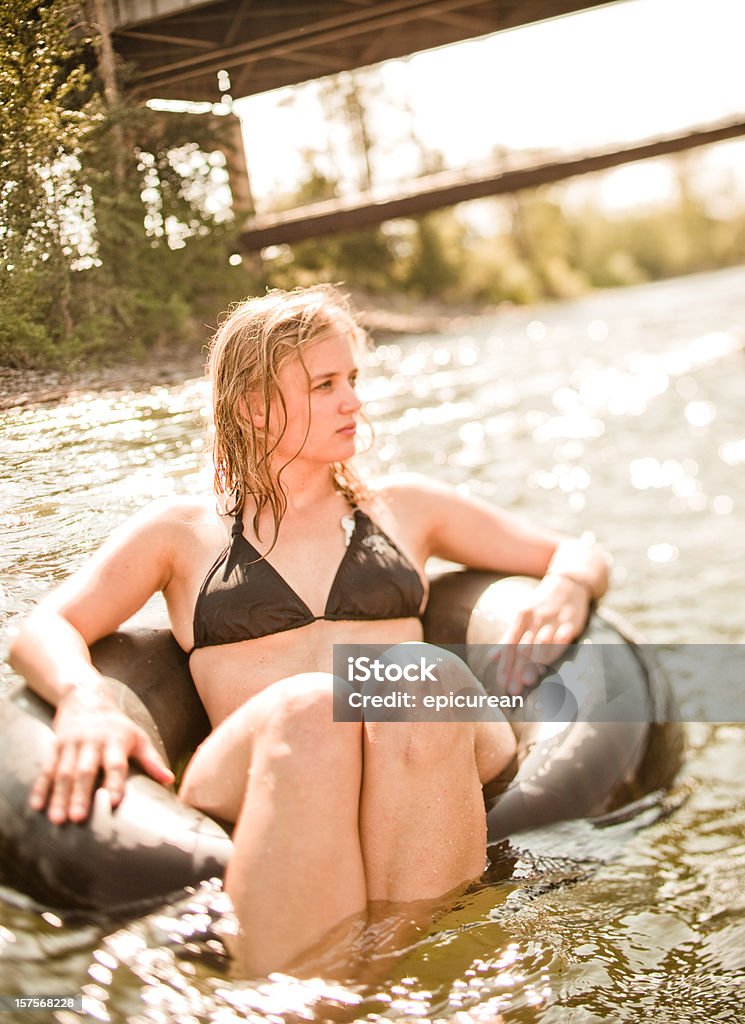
[(174, 49), (452, 187)]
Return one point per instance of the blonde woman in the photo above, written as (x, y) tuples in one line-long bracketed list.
[(296, 555)]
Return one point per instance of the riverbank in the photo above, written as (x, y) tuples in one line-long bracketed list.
[(24, 387), (20, 388)]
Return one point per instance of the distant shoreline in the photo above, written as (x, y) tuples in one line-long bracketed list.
[(23, 387)]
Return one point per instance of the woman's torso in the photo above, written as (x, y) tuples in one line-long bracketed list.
[(308, 558)]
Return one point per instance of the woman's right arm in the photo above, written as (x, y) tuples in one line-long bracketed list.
[(51, 650)]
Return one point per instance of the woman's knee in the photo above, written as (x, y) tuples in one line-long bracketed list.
[(412, 747), (299, 711), (287, 728)]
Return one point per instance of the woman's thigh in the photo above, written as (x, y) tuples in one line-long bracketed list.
[(215, 778)]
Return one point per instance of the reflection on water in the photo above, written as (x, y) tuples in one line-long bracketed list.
[(618, 414)]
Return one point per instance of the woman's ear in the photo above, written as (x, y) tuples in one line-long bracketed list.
[(251, 407)]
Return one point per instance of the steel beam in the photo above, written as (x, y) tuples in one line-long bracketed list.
[(440, 190)]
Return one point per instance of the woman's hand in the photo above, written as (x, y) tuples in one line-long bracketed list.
[(92, 735), (553, 616)]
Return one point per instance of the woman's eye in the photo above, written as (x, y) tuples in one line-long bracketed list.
[(325, 385)]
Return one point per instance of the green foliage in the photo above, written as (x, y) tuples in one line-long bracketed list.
[(435, 261), (546, 252), (682, 237), (543, 241), (40, 89), (364, 259), (110, 244)]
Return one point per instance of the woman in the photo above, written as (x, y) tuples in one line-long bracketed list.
[(297, 556)]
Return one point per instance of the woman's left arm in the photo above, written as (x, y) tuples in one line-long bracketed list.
[(573, 573)]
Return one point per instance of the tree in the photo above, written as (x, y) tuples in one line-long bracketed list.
[(110, 240), (43, 88)]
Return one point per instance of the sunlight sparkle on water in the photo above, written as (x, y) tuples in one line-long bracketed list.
[(506, 423), (101, 974), (662, 553), (565, 477), (432, 415), (597, 330), (575, 427), (468, 353), (283, 994), (733, 453), (649, 472), (686, 386), (536, 330), (471, 434), (621, 392), (722, 505), (700, 351), (700, 414)]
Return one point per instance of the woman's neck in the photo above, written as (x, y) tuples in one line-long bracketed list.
[(306, 486)]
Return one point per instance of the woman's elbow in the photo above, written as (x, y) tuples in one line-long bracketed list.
[(21, 638), (28, 638)]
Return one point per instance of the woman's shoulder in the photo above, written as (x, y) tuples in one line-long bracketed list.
[(411, 501), (177, 510), (406, 491), (173, 518)]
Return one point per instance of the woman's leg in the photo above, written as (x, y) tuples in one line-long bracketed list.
[(313, 843), (291, 778), (422, 820)]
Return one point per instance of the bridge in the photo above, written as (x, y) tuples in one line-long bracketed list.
[(176, 49), (201, 49), (434, 191)]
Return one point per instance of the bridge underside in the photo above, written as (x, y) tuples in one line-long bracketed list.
[(174, 49)]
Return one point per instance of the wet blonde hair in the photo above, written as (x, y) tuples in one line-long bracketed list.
[(251, 346)]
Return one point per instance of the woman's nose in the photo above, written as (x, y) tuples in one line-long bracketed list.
[(350, 400)]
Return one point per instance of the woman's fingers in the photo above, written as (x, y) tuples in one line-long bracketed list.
[(540, 632), (67, 782), (152, 762), (565, 633), (525, 645), (83, 779), (41, 788), (549, 643), (517, 656), (115, 768), (62, 781), (508, 654), (545, 634)]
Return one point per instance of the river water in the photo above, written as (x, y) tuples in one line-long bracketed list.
[(620, 414)]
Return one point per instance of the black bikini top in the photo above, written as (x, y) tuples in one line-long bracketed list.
[(243, 597)]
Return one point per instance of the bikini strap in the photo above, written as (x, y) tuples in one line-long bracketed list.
[(237, 524)]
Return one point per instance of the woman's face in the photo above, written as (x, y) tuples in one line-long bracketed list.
[(321, 399)]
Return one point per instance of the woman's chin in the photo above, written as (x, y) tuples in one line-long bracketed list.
[(347, 445)]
